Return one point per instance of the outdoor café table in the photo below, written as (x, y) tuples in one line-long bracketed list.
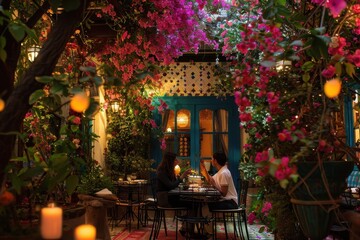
[(198, 197), (131, 194)]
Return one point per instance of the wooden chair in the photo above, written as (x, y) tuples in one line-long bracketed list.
[(237, 215)]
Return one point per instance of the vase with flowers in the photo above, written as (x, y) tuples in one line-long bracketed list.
[(293, 64)]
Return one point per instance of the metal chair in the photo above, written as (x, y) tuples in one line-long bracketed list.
[(150, 203), (198, 221), (129, 197), (160, 216), (237, 215)]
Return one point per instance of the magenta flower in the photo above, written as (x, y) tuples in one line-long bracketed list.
[(336, 6), (76, 120), (329, 72), (251, 218), (355, 58)]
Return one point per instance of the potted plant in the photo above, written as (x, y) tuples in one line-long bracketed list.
[(290, 60)]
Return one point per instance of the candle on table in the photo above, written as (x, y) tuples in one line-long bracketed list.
[(177, 170), (51, 222), (85, 232)]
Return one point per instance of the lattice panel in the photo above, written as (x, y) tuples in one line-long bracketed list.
[(189, 79)]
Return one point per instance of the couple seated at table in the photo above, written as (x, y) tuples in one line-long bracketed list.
[(222, 181)]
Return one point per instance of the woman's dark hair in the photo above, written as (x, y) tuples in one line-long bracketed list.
[(220, 158), (167, 164)]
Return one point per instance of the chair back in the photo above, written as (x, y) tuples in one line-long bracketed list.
[(153, 185), (244, 185)]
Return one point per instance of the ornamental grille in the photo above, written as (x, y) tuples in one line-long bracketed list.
[(192, 79)]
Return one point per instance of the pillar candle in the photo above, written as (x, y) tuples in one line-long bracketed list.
[(85, 232), (177, 170), (51, 222)]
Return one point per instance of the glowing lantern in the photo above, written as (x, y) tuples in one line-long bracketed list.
[(80, 102), (177, 170), (2, 105), (332, 88)]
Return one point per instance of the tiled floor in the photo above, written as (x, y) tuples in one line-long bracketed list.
[(121, 228)]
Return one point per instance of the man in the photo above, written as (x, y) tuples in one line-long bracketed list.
[(222, 181)]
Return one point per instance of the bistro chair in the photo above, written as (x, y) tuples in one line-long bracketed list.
[(160, 217), (198, 221), (130, 198), (237, 215), (160, 214), (150, 203)]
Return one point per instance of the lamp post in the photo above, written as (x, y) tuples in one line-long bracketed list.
[(32, 52)]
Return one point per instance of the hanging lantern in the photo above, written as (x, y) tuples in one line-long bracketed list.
[(115, 106), (33, 52)]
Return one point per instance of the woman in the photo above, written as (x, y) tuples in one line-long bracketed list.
[(167, 180)]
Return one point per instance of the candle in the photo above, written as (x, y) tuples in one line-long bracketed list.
[(85, 232), (177, 170), (51, 222)]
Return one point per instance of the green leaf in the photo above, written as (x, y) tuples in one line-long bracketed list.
[(31, 172), (71, 183), (281, 2), (3, 54), (307, 66), (283, 183), (306, 77), (261, 229), (44, 79), (74, 128), (319, 46), (269, 12), (338, 69), (2, 42), (92, 109), (58, 160), (320, 30), (31, 33), (57, 88), (350, 69), (16, 183), (75, 90), (268, 64), (97, 80), (17, 31), (297, 43), (35, 96)]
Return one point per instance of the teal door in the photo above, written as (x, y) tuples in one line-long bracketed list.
[(196, 127)]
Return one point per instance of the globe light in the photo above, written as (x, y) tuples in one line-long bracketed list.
[(332, 88)]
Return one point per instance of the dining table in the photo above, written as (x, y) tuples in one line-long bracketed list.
[(198, 197)]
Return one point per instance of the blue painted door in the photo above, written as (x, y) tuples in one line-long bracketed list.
[(196, 127)]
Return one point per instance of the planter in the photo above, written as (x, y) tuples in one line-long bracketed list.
[(252, 195), (312, 204)]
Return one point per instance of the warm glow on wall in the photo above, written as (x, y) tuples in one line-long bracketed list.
[(182, 120)]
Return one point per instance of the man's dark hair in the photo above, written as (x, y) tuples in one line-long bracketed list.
[(220, 158)]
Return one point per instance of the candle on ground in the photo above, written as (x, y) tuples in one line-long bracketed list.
[(51, 222), (85, 232)]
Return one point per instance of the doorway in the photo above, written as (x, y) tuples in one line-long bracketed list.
[(196, 127)]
